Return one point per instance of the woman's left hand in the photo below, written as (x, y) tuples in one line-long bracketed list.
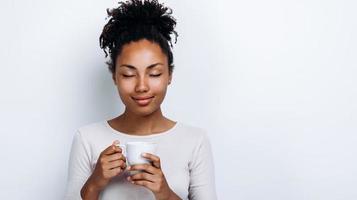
[(152, 178)]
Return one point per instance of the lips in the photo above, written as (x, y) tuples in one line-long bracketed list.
[(143, 101)]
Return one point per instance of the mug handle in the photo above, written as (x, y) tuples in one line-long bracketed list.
[(123, 148)]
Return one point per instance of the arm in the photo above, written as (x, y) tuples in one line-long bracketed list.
[(89, 191), (110, 164), (202, 179), (82, 182), (78, 168), (174, 196)]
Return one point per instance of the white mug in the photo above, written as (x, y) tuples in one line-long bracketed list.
[(133, 151)]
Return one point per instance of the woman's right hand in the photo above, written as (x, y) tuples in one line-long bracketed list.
[(110, 164)]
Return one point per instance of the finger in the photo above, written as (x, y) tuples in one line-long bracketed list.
[(116, 164), (115, 171), (116, 142), (146, 184), (116, 156), (155, 159), (111, 149), (144, 167), (142, 176)]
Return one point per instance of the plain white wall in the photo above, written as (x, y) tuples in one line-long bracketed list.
[(272, 81)]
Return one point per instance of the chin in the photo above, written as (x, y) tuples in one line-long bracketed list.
[(143, 112)]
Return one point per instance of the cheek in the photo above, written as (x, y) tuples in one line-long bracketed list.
[(125, 87), (158, 85)]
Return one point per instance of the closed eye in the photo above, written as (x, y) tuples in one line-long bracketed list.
[(155, 75), (127, 76)]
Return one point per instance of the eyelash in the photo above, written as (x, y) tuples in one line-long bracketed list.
[(152, 75), (155, 75), (128, 76)]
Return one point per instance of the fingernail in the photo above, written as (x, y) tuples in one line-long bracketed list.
[(129, 168), (143, 154), (128, 178)]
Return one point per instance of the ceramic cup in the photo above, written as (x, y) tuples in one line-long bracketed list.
[(133, 151)]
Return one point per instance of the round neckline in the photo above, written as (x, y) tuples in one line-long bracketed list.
[(106, 123)]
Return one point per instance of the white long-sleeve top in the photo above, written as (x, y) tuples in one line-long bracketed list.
[(184, 151)]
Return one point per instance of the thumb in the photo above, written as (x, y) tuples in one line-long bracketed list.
[(112, 148), (115, 142)]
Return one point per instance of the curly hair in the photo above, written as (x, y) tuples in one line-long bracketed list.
[(134, 20)]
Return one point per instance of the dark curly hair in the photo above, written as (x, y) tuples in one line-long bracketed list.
[(134, 20)]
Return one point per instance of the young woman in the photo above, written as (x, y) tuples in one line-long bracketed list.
[(138, 40)]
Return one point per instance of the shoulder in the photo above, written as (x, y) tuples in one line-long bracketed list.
[(196, 143), (192, 133), (91, 126), (92, 130), (191, 129)]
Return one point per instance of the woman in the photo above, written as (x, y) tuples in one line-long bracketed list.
[(137, 38)]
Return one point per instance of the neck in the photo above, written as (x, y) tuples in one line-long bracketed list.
[(142, 125)]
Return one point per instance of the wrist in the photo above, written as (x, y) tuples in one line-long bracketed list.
[(90, 191), (171, 196)]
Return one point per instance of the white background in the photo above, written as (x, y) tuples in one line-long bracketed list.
[(274, 83)]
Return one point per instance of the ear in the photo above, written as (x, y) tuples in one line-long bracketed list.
[(170, 78), (114, 79)]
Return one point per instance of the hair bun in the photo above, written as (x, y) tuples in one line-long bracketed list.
[(136, 14)]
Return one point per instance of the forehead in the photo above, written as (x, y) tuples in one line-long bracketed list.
[(141, 53)]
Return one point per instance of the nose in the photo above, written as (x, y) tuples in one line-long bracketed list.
[(141, 85)]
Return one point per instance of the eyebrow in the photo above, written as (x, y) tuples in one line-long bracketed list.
[(149, 67)]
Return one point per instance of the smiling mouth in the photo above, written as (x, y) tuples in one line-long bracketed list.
[(143, 101)]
